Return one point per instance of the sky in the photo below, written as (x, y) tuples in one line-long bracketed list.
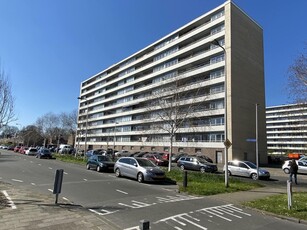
[(48, 47)]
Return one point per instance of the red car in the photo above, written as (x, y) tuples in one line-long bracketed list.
[(16, 149), (156, 159), (23, 149)]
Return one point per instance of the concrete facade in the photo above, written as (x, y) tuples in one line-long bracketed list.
[(286, 128), (114, 111)]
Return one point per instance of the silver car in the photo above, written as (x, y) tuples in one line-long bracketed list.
[(138, 168), (302, 165), (246, 169)]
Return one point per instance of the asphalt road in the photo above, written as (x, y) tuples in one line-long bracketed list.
[(125, 202)]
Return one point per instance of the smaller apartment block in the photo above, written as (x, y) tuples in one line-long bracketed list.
[(287, 128)]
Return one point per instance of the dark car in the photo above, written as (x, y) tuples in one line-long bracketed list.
[(156, 159), (44, 153), (92, 152), (100, 163), (196, 163)]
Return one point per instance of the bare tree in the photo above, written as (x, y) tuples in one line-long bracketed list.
[(172, 106), (7, 114), (49, 127), (30, 136), (297, 79), (69, 123)]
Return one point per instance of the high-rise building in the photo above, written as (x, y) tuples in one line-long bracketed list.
[(287, 128), (174, 89)]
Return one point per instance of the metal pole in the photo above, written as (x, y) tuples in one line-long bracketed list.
[(257, 155), (227, 143), (114, 133), (85, 140)]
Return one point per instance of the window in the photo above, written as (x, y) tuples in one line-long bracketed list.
[(165, 65), (167, 41), (217, 15), (166, 53)]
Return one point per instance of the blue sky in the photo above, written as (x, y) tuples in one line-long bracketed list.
[(49, 47)]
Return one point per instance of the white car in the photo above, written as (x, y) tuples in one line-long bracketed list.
[(302, 165), (31, 151), (246, 169)]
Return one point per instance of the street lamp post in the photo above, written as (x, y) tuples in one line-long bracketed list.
[(86, 121), (257, 154), (227, 143), (114, 133)]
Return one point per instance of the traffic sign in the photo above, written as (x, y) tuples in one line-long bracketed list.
[(227, 143), (251, 140)]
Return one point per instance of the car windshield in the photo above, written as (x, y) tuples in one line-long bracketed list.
[(33, 150), (45, 151), (104, 158), (145, 163), (250, 164)]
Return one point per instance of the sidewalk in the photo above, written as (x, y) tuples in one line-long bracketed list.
[(37, 211)]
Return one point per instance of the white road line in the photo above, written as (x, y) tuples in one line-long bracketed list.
[(65, 173), (121, 191), (50, 190), (49, 167), (85, 179), (17, 180), (33, 184), (11, 203)]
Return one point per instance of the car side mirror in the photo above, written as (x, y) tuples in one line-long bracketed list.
[(135, 164)]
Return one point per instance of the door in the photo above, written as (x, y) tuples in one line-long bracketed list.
[(219, 157)]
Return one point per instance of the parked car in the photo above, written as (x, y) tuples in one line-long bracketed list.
[(123, 153), (95, 152), (100, 163), (22, 150), (44, 153), (156, 159), (31, 151), (196, 163), (246, 169), (165, 156), (16, 149), (176, 157), (141, 169), (301, 163)]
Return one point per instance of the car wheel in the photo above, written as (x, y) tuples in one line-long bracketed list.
[(202, 170), (117, 172), (98, 168), (286, 170), (88, 167), (254, 176), (140, 177), (182, 167)]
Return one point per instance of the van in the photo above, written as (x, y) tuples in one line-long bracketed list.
[(64, 148)]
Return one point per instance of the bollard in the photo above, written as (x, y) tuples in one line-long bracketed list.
[(144, 225), (58, 183), (289, 193), (185, 179)]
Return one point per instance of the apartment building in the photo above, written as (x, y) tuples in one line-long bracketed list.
[(286, 127), (171, 95)]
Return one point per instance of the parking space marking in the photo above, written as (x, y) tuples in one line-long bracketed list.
[(49, 168), (137, 204), (10, 202), (33, 184), (188, 220), (65, 173), (117, 190), (17, 180), (176, 198), (103, 212)]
